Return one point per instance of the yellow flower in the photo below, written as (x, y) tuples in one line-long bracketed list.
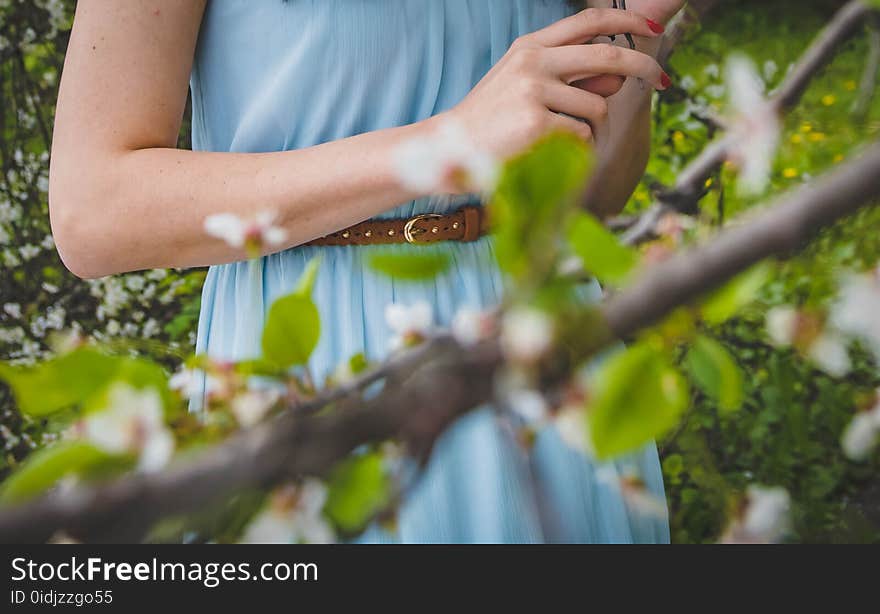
[(838, 158), (797, 139), (829, 99), (709, 182), (806, 127), (817, 137), (790, 173), (678, 137), (850, 85)]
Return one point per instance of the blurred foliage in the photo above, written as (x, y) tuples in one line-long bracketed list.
[(787, 432), (153, 312)]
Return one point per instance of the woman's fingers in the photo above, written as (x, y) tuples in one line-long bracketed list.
[(604, 85), (589, 24), (577, 103), (576, 62), (569, 124)]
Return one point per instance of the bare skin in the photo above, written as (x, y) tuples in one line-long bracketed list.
[(123, 198)]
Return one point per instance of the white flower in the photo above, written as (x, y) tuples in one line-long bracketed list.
[(633, 490), (767, 512), (133, 423), (857, 310), (443, 161), (470, 326), (251, 406), (410, 323), (252, 235), (294, 515), (781, 324), (765, 518), (640, 500), (526, 334), (862, 434), (829, 352), (29, 252), (571, 266), (756, 129), (571, 424), (193, 382), (13, 310), (825, 347)]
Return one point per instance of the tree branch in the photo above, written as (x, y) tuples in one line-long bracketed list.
[(690, 182), (445, 382)]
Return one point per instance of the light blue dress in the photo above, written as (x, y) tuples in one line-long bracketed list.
[(273, 75)]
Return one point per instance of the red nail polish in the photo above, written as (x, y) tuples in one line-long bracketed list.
[(656, 27), (665, 81)]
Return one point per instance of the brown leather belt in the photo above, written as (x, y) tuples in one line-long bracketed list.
[(466, 224)]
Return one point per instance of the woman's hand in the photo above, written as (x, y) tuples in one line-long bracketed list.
[(525, 95), (660, 11)]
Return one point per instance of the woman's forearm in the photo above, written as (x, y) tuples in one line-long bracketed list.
[(145, 208), (629, 118), (122, 199)]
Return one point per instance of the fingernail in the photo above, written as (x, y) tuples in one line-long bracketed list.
[(656, 27), (665, 81)]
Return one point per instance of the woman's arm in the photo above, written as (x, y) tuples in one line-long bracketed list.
[(122, 198), (629, 121)]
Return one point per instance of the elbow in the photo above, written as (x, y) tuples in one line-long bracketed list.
[(81, 244)]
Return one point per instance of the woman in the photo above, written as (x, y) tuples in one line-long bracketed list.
[(298, 108)]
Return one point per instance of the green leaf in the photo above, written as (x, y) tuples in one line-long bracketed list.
[(411, 266), (44, 468), (293, 328), (602, 254), (358, 363), (357, 489), (76, 378), (715, 371), (537, 193), (725, 302), (293, 325), (638, 396)]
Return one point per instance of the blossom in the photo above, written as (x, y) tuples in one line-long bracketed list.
[(294, 515), (252, 235), (470, 326), (829, 352), (251, 406), (634, 491), (763, 519), (781, 325), (756, 128), (819, 342), (526, 334), (133, 423), (445, 161), (571, 424), (862, 433), (571, 266), (192, 382), (13, 310), (855, 311), (410, 323)]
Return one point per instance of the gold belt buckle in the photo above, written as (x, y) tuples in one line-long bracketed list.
[(409, 230)]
